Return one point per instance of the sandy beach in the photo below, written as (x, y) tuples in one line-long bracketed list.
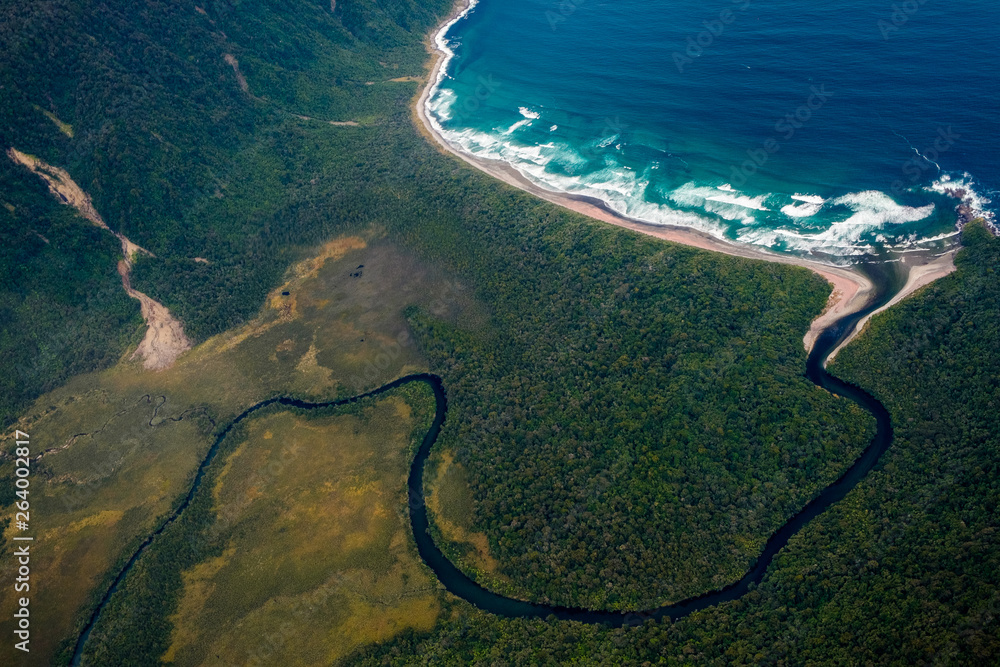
[(851, 289), (919, 275)]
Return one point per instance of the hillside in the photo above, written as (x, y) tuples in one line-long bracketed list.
[(628, 418)]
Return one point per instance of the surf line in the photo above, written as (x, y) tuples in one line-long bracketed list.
[(458, 583)]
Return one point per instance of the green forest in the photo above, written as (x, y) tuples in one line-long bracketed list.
[(904, 571), (633, 414), (635, 435), (177, 157)]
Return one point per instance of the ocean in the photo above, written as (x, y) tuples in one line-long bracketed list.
[(835, 130)]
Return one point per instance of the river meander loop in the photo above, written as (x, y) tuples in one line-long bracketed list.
[(460, 585)]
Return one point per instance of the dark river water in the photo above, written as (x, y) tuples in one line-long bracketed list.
[(462, 586)]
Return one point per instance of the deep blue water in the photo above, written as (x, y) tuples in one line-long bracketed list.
[(832, 128)]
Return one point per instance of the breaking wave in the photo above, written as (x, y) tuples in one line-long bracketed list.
[(626, 175)]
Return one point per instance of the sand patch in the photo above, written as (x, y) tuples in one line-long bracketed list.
[(61, 185), (918, 277), (164, 340), (341, 123), (850, 293), (235, 64)]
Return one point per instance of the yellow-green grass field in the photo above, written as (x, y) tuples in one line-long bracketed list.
[(318, 559), (451, 506), (121, 447)]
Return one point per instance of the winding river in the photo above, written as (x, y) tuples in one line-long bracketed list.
[(457, 583)]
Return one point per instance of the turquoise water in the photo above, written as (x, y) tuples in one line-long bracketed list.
[(836, 130)]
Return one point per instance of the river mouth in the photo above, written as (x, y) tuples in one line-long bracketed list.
[(887, 280)]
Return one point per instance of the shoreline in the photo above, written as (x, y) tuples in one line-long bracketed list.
[(920, 275), (851, 289)]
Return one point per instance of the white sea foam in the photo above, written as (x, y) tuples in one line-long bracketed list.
[(872, 217), (739, 200), (440, 106), (811, 206), (729, 205), (513, 128), (874, 209), (801, 211), (496, 147), (978, 203), (621, 191), (872, 213), (809, 199), (438, 102), (838, 239), (607, 141), (624, 192), (939, 237), (440, 39)]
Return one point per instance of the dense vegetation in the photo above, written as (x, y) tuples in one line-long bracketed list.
[(905, 570), (633, 419), (62, 307), (140, 105), (667, 363), (636, 433)]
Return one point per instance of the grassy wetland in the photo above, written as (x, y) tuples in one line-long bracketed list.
[(122, 445), (628, 419)]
